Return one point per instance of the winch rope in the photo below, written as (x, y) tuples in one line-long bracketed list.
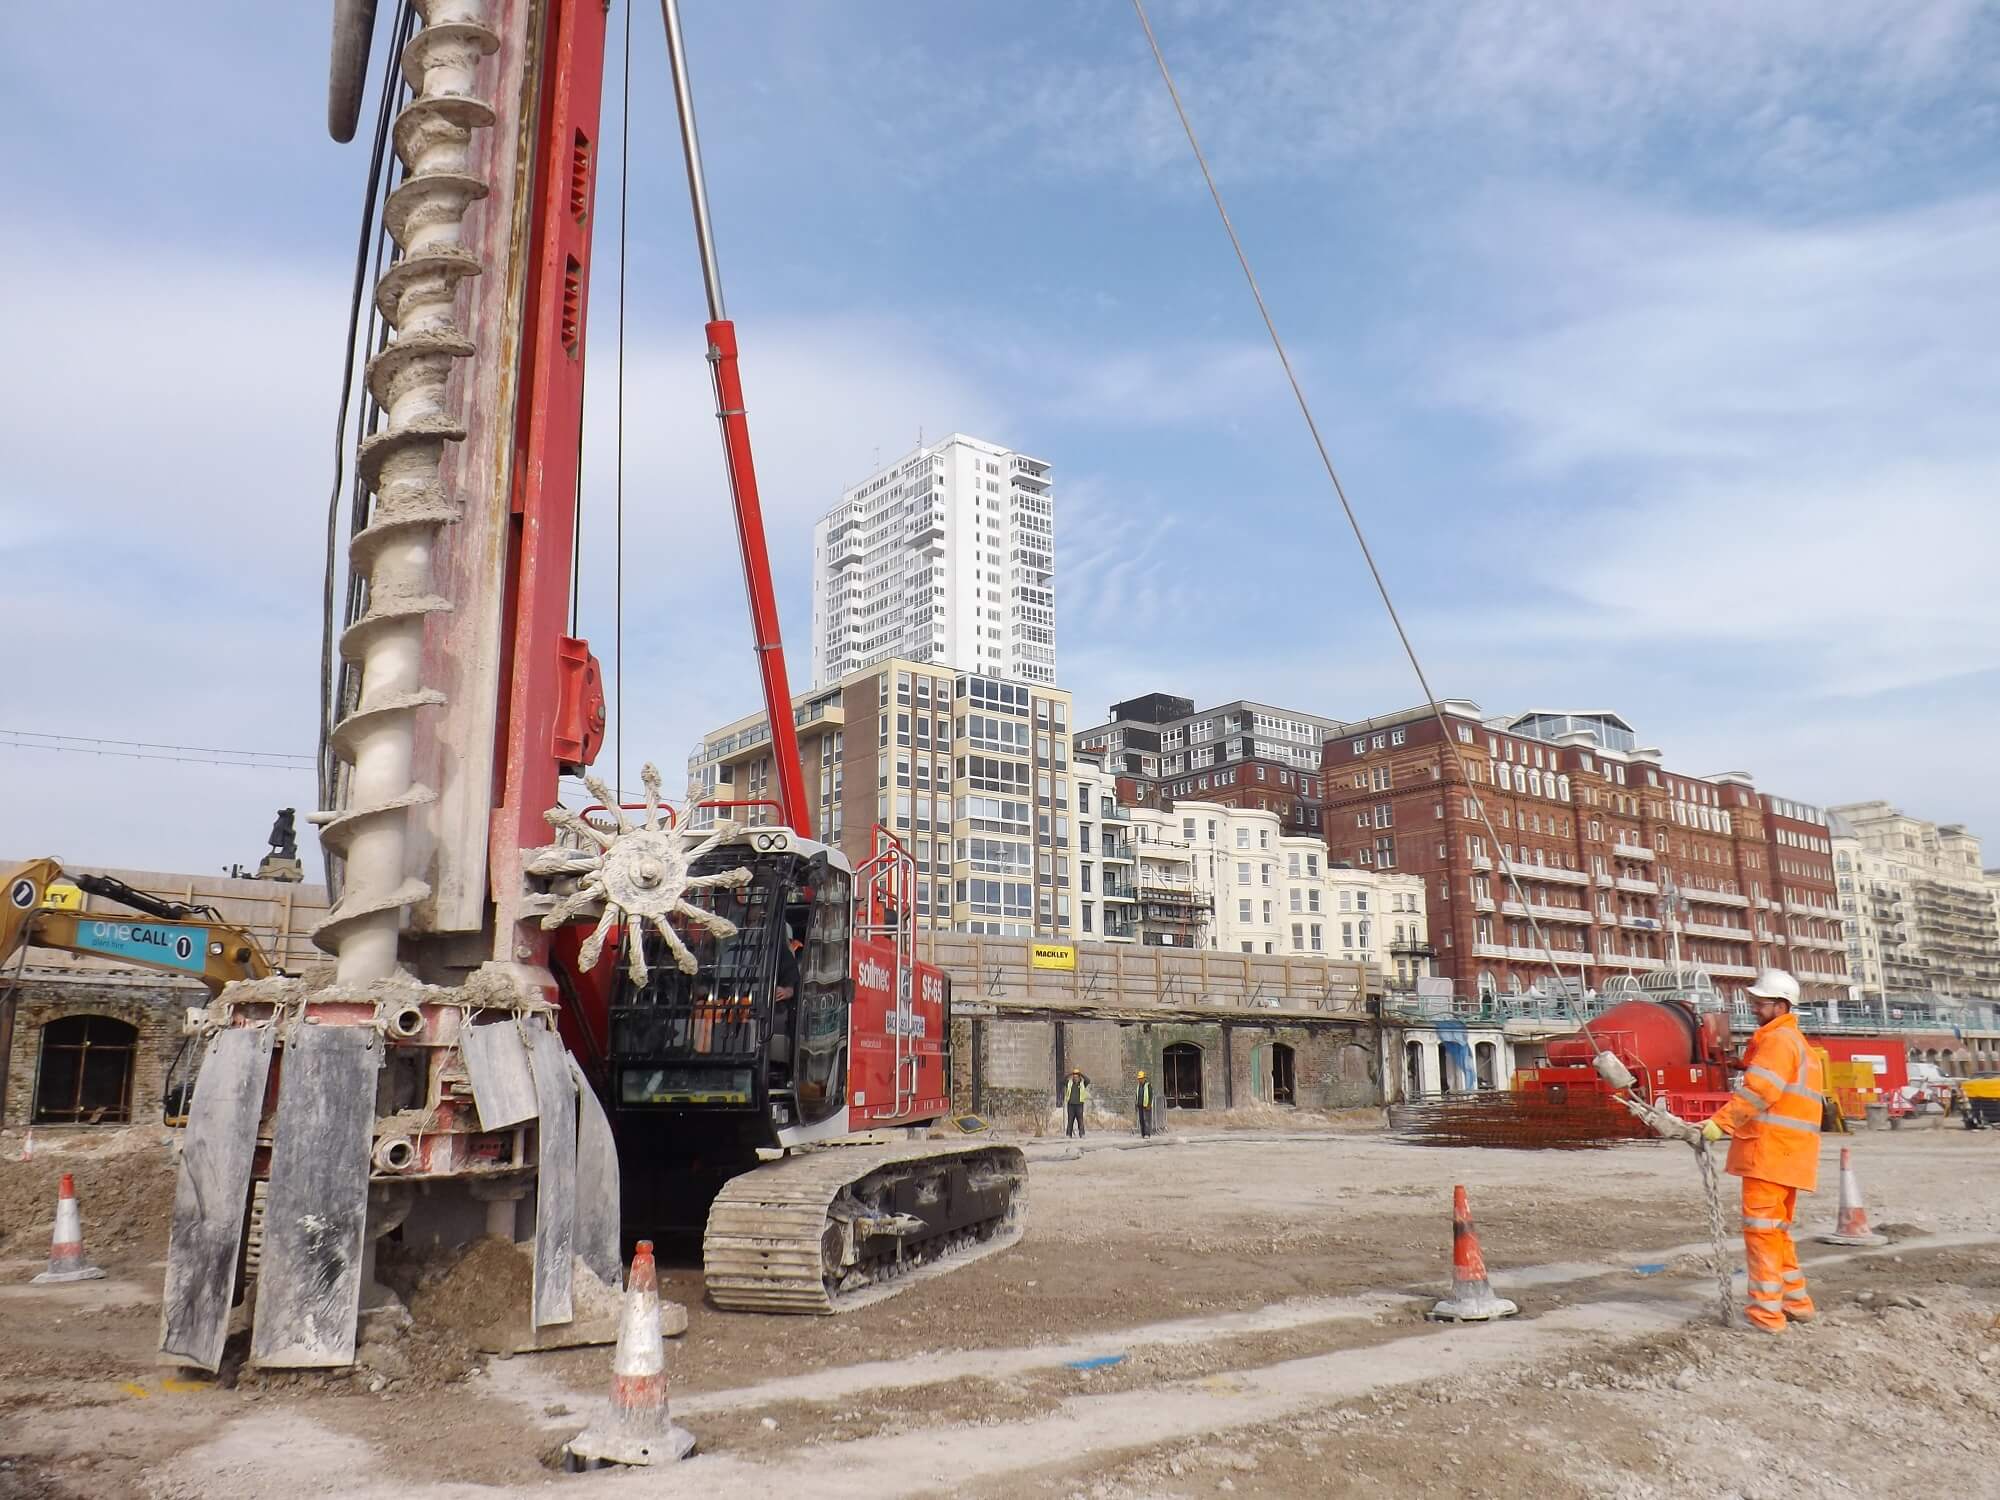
[(618, 505), (1354, 524)]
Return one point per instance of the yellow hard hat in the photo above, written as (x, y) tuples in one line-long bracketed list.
[(1142, 1072)]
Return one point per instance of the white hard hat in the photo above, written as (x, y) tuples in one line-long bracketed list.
[(1776, 984)]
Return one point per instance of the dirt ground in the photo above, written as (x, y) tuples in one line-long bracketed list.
[(1234, 1312)]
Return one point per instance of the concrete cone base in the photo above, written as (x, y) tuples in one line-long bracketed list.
[(1852, 1239), (88, 1273), (596, 1448), (1472, 1309)]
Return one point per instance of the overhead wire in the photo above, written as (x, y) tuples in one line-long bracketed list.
[(618, 506), (82, 744), (1445, 735)]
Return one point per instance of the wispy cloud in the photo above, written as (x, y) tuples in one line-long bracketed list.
[(1796, 422), (1792, 92)]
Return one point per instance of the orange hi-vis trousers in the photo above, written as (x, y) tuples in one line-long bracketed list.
[(1777, 1285)]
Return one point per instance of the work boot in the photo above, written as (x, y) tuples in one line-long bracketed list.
[(1801, 1312), (1762, 1327)]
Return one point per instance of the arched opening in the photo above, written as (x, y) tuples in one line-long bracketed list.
[(1283, 1076), (1180, 1076), (1486, 1062), (1454, 1066), (84, 1073), (1413, 1067)]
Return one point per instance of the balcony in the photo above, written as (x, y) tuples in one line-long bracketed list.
[(1718, 898), (1565, 957), (1716, 930), (1731, 971), (1538, 872), (1638, 887), (1631, 961), (1483, 903), (1489, 950), (1549, 872), (1606, 881), (1548, 913), (1117, 851), (1479, 862), (1641, 924), (1119, 890), (1631, 851)]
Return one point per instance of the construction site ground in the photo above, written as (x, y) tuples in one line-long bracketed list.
[(1215, 1311)]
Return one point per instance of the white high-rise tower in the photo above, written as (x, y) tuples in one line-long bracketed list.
[(945, 556)]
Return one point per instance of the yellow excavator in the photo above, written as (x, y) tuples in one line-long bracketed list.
[(42, 909)]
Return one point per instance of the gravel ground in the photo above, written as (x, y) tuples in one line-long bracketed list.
[(1261, 1291)]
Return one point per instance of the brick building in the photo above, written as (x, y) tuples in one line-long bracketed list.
[(88, 1041), (1242, 754), (1625, 865)]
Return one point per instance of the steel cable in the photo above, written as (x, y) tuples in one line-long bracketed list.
[(618, 480), (1354, 524)]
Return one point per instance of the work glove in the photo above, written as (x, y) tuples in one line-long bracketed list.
[(1711, 1132)]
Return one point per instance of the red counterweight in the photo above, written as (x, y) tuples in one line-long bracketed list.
[(1678, 1055)]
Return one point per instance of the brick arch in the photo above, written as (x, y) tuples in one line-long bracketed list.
[(155, 1010)]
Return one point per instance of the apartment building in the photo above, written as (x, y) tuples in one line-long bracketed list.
[(1135, 884), (1242, 754), (1597, 853), (1918, 908), (972, 772), (945, 557), (1208, 875)]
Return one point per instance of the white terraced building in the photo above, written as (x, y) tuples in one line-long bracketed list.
[(1229, 879), (945, 557)]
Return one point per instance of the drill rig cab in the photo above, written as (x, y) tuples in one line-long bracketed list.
[(750, 1047)]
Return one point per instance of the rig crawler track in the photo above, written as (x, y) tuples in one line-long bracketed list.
[(836, 1228)]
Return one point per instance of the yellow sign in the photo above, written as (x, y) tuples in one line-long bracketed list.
[(1053, 956), (62, 896)]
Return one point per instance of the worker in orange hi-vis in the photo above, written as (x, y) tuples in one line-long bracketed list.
[(1774, 1124)]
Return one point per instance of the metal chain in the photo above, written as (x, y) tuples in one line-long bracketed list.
[(1711, 1185)]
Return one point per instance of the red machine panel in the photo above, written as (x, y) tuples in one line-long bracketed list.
[(896, 1058)]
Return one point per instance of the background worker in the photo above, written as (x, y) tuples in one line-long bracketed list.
[(1076, 1094), (1774, 1123), (1144, 1100)]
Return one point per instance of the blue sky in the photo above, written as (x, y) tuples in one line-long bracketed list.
[(1655, 343)]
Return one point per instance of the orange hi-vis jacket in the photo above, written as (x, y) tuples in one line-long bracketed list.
[(1774, 1118)]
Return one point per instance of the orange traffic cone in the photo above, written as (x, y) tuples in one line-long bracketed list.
[(637, 1429), (66, 1262), (1851, 1227), (1471, 1299)]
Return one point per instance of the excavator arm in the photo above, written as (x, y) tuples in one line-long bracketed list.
[(158, 936)]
